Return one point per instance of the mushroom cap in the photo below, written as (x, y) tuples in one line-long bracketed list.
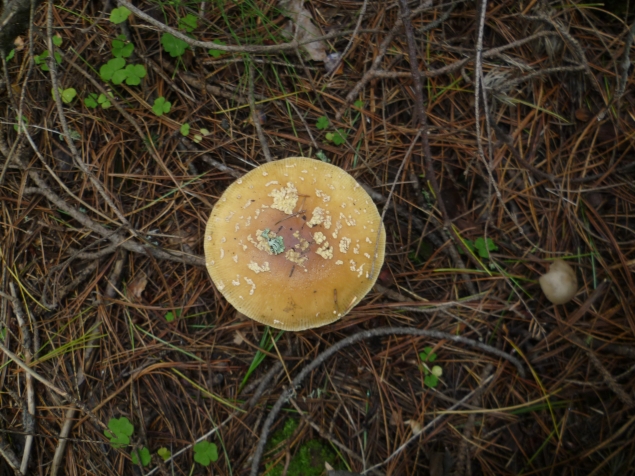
[(560, 283), (295, 243)]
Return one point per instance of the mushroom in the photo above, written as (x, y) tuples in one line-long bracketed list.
[(559, 284), (295, 243)]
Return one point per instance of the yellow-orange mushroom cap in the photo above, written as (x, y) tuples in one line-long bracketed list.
[(295, 243)]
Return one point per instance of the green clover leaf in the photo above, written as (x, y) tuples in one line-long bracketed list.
[(484, 246), (135, 73), (322, 123), (216, 53), (205, 452), (40, 60), (103, 100), (338, 137), (107, 70), (121, 49), (170, 316), (164, 453), (185, 130), (161, 106), (175, 46), (67, 95), (120, 432), (427, 355), (119, 15), (188, 23), (144, 453), (91, 101), (57, 40), (431, 380)]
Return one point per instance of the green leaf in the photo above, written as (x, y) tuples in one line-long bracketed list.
[(485, 246), (107, 70), (119, 76), (436, 371), (322, 123), (170, 316), (185, 130), (134, 74), (24, 120), (338, 137), (427, 355), (188, 23), (431, 380), (359, 104), (10, 55), (322, 156), (164, 453), (67, 95), (216, 53), (205, 452), (57, 40), (161, 106), (175, 46), (41, 59), (91, 101), (120, 432), (103, 100), (119, 15), (144, 453), (121, 49)]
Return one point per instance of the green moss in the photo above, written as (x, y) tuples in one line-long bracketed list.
[(308, 460)]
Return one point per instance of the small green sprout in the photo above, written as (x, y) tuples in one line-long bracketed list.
[(170, 316), (276, 244), (57, 40), (188, 23), (185, 129), (164, 453), (173, 45), (119, 15), (322, 156), (40, 60), (120, 432), (205, 452), (359, 104), (338, 137), (432, 375), (67, 95), (481, 245), (24, 121), (103, 100), (161, 106), (214, 53), (10, 55), (144, 454), (322, 123), (121, 49)]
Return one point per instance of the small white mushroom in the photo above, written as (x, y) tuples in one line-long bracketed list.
[(559, 284)]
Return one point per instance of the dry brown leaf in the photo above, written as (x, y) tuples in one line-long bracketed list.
[(303, 29), (137, 286), (238, 338)]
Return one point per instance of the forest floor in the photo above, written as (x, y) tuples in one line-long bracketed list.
[(513, 147)]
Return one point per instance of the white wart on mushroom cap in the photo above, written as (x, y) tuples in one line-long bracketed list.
[(295, 243)]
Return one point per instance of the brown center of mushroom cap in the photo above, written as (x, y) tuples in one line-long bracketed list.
[(291, 244)]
